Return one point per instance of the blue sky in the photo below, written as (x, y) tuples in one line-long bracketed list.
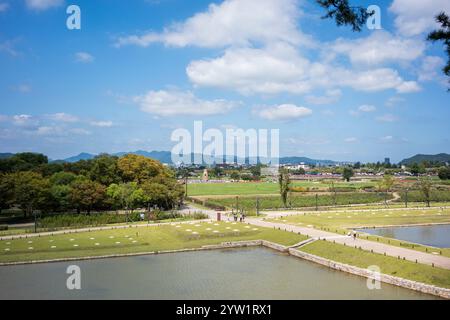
[(139, 69)]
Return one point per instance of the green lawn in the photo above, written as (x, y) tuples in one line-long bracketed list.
[(297, 200), (388, 265), (141, 239), (249, 188), (340, 222)]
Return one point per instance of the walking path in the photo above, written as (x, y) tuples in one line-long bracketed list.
[(408, 254)]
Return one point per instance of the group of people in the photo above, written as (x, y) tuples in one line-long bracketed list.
[(241, 216)]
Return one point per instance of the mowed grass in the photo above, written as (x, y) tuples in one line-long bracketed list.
[(269, 202), (249, 188), (388, 265), (140, 239), (340, 222)]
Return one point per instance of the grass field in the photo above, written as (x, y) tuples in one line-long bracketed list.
[(251, 188), (141, 239), (340, 222), (388, 265), (297, 200)]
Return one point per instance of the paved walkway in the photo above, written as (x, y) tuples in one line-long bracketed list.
[(408, 254)]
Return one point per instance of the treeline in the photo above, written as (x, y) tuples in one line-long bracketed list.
[(30, 182)]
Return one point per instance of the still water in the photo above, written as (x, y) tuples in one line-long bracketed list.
[(435, 235), (251, 273)]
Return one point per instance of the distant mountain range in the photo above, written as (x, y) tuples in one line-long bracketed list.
[(418, 158), (165, 157)]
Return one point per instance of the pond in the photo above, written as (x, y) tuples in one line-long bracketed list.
[(434, 235), (251, 273)]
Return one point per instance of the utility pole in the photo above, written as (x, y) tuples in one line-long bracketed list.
[(35, 222), (237, 203), (317, 202)]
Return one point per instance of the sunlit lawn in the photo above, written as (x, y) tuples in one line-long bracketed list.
[(340, 222), (140, 239), (388, 265)]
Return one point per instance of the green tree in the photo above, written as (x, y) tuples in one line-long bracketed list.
[(284, 182), (347, 173), (6, 191), (127, 196), (31, 191), (86, 194), (63, 178), (234, 175), (425, 186), (444, 173), (136, 168), (104, 170)]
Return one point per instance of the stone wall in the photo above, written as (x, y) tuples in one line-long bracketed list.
[(409, 284)]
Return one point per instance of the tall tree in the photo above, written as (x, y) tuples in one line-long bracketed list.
[(139, 168), (86, 194), (425, 186), (31, 191), (443, 34), (284, 182), (104, 169), (347, 173)]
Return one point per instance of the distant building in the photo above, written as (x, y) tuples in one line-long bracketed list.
[(387, 161)]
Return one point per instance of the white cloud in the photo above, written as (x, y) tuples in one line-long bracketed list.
[(351, 140), (380, 47), (284, 112), (387, 118), (84, 57), (392, 101), (9, 47), (80, 131), (23, 120), (4, 6), (232, 22), (367, 108), (280, 68), (176, 103), (63, 117), (102, 124), (331, 96), (43, 4), (429, 69), (387, 138), (408, 87), (417, 16)]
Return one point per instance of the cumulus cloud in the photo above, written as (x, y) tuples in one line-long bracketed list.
[(24, 120), (284, 112), (379, 47), (232, 22), (63, 117), (84, 57), (43, 4), (365, 108), (415, 17), (430, 68), (280, 68), (175, 103)]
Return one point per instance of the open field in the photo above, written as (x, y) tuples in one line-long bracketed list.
[(252, 188), (268, 202), (388, 265), (340, 222), (134, 240)]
